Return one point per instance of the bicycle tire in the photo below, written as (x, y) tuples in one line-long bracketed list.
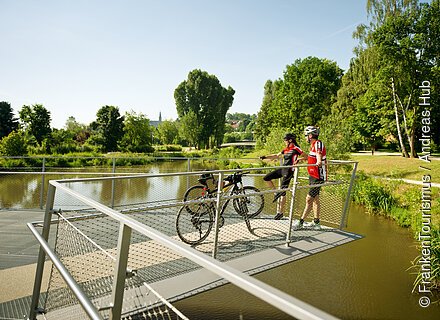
[(194, 228), (252, 205), (194, 193)]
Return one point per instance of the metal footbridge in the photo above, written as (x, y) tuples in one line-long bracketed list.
[(118, 259)]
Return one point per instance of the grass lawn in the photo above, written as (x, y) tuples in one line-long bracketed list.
[(393, 166)]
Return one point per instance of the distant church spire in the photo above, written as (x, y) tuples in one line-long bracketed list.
[(160, 117)]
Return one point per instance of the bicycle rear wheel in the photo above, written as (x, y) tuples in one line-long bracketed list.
[(193, 228), (251, 205)]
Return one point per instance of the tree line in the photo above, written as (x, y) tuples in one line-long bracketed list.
[(375, 103)]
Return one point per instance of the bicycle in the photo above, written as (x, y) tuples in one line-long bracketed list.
[(195, 219)]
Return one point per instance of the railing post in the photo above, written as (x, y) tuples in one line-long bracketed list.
[(188, 170), (43, 180), (278, 202), (292, 205), (113, 184), (42, 255), (217, 213), (120, 271), (347, 200)]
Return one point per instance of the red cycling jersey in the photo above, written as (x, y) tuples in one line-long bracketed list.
[(290, 154), (317, 172)]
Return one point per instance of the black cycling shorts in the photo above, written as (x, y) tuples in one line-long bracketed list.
[(280, 173), (313, 192)]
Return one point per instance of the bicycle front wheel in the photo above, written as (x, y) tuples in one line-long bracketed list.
[(193, 228), (251, 205), (194, 193)]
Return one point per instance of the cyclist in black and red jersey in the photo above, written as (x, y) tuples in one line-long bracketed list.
[(317, 175), (290, 155)]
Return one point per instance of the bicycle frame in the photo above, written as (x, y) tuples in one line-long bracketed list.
[(238, 185)]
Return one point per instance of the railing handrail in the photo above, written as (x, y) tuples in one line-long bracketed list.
[(273, 296), (86, 304), (173, 174)]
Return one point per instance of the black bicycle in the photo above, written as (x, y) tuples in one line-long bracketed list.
[(196, 218)]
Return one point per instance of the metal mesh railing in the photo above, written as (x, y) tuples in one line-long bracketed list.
[(87, 237), (89, 264), (88, 250)]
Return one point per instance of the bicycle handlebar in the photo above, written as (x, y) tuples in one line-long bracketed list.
[(234, 177)]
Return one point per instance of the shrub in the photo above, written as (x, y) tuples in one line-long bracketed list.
[(168, 147), (373, 195), (274, 141), (230, 152), (231, 137), (403, 216), (13, 144)]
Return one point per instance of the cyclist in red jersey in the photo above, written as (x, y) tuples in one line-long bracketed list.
[(290, 155), (317, 175)]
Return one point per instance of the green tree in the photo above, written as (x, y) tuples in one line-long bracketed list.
[(7, 121), (408, 45), (108, 128), (302, 97), (204, 95), (397, 51), (263, 125), (189, 128), (137, 133), (62, 141), (168, 132), (13, 145), (274, 141), (36, 121), (78, 131), (380, 10)]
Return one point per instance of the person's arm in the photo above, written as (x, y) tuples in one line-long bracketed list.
[(302, 157), (319, 147), (273, 156), (319, 159)]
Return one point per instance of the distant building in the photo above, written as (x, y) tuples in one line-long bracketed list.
[(155, 123), (235, 124)]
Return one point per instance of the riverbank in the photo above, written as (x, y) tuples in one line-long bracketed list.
[(411, 207)]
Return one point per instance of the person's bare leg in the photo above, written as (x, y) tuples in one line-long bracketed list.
[(308, 207), (270, 184), (316, 207), (281, 204)]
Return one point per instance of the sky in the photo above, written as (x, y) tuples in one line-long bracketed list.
[(74, 57)]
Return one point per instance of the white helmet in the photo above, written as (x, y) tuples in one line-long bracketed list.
[(311, 130)]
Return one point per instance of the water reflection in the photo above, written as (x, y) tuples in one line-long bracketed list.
[(20, 191), (23, 191)]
